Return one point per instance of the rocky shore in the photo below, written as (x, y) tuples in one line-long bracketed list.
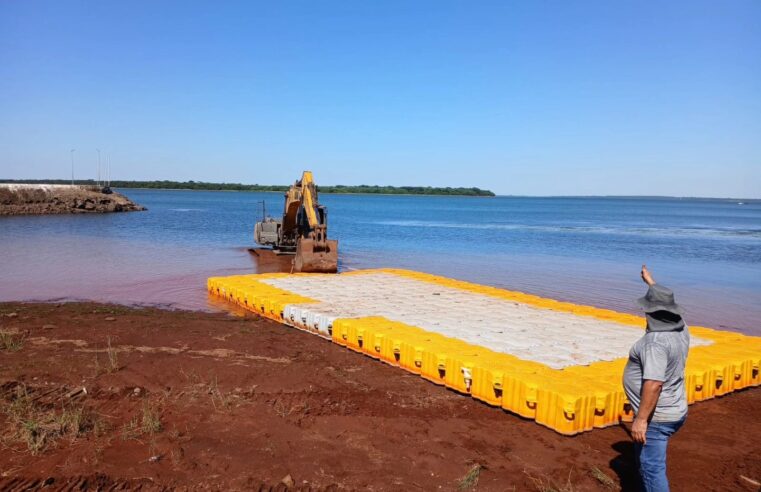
[(40, 199)]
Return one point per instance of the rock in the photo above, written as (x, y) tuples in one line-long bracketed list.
[(12, 315), (48, 327), (23, 199), (110, 318), (288, 481), (137, 391)]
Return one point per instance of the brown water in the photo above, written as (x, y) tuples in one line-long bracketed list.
[(148, 275)]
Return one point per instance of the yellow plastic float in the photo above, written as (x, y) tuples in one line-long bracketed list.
[(554, 362)]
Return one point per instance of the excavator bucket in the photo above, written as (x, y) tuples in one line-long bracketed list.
[(314, 256)]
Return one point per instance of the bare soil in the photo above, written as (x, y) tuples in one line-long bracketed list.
[(61, 199), (101, 397)]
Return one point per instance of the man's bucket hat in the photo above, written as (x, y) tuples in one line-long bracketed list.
[(659, 298)]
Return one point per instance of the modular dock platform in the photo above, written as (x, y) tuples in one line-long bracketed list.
[(557, 363)]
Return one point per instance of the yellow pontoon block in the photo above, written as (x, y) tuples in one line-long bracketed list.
[(508, 349)]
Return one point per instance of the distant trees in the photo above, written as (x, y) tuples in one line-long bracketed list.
[(199, 185)]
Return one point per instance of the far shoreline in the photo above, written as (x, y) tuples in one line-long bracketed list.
[(258, 188), (321, 192), (559, 197)]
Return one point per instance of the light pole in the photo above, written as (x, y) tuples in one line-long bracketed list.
[(98, 166), (72, 166)]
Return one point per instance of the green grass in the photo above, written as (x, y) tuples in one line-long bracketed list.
[(39, 427)]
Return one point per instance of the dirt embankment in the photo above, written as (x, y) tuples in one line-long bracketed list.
[(20, 199), (105, 397)]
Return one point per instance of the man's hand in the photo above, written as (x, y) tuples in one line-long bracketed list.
[(639, 430), (649, 394), (646, 277)]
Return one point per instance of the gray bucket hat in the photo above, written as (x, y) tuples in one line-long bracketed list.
[(659, 298)]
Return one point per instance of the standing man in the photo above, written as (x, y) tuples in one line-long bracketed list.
[(654, 382)]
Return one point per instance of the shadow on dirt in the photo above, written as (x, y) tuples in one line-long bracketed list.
[(625, 466)]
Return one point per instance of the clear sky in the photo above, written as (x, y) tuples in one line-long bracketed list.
[(528, 98)]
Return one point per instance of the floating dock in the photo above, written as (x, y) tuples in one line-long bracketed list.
[(557, 363)]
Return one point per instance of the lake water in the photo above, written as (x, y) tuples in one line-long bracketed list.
[(584, 250)]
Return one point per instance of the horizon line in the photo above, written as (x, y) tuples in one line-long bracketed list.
[(496, 195)]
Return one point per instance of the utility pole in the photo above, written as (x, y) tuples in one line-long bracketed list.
[(98, 182), (72, 166), (108, 171)]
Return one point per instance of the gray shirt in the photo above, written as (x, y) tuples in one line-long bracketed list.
[(660, 356)]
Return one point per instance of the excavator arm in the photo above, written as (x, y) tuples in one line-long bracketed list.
[(309, 198), (301, 212)]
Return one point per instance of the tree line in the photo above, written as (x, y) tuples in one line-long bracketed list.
[(200, 185)]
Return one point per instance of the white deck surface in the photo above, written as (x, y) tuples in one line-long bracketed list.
[(556, 339)]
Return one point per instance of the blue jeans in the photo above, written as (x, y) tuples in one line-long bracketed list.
[(651, 456)]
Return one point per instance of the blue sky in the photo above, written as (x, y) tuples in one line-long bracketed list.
[(530, 98)]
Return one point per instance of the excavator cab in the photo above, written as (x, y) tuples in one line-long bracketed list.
[(303, 230)]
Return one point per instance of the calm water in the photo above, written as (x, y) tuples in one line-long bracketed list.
[(585, 250)]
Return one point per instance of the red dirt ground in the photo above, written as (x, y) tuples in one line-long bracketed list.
[(244, 402)]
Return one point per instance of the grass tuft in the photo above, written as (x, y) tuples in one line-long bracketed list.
[(150, 422), (113, 357), (281, 409), (12, 342), (546, 484), (219, 400), (113, 360), (604, 479), (470, 480), (131, 429), (147, 423), (39, 427)]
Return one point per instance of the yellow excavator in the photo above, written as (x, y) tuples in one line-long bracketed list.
[(303, 230)]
